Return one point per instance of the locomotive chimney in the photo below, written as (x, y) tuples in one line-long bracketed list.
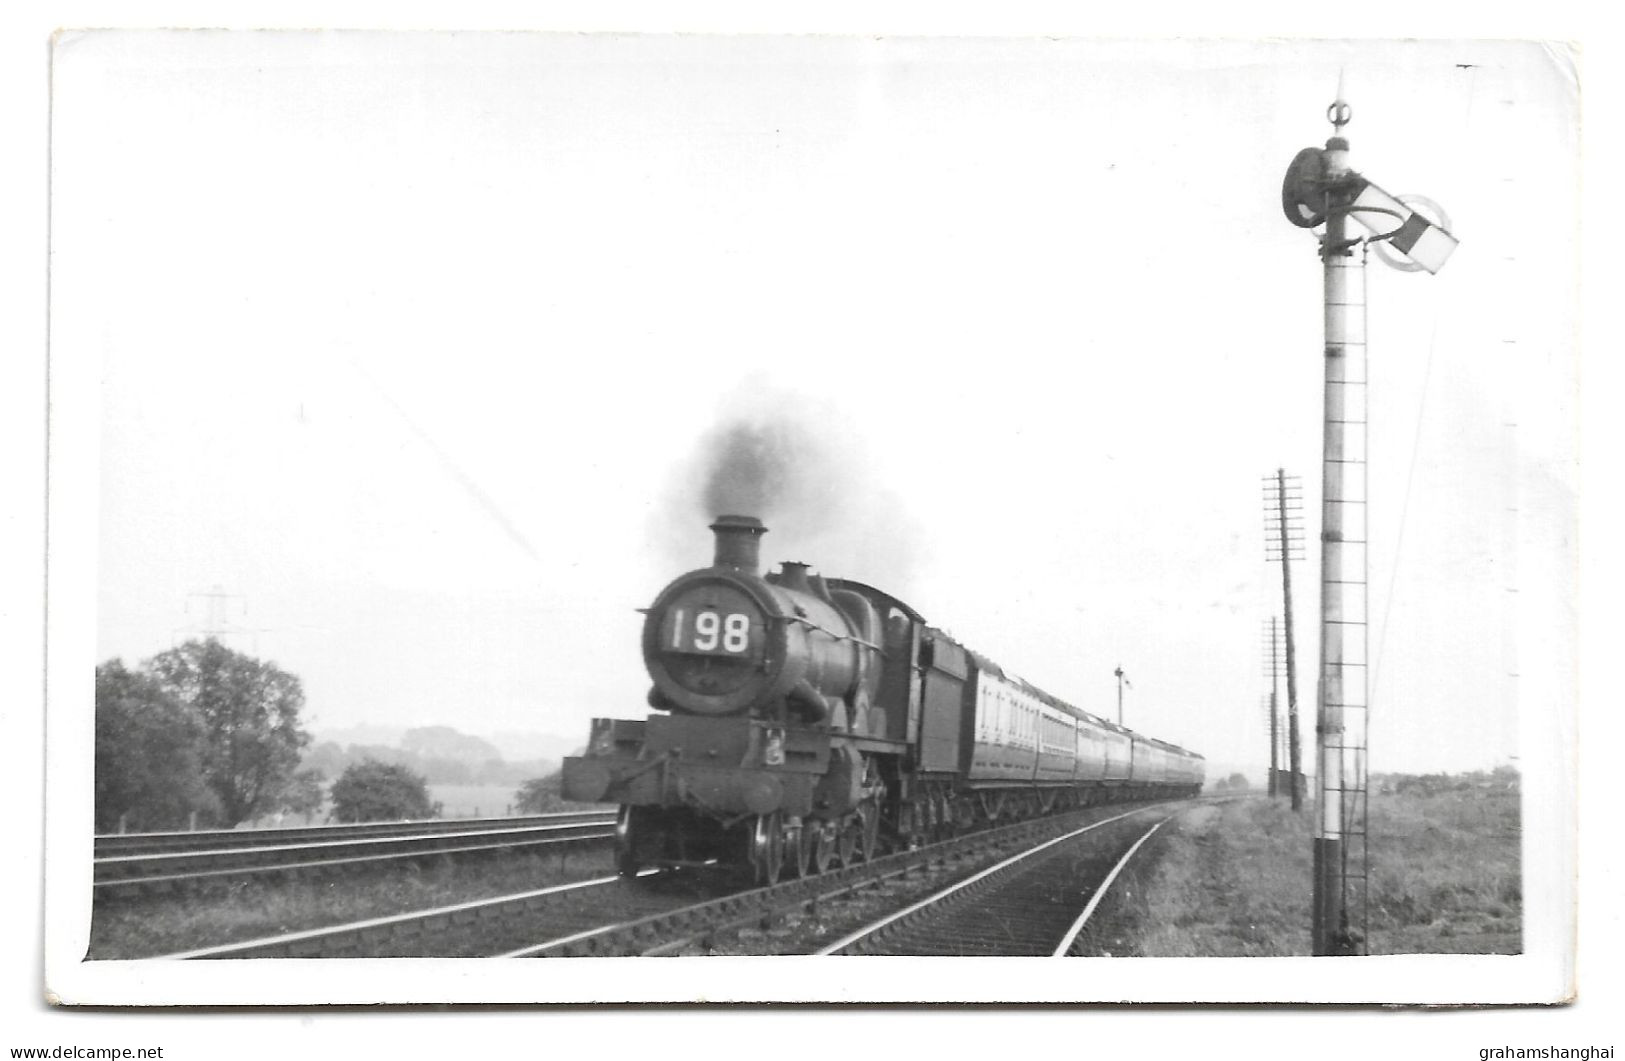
[(739, 542)]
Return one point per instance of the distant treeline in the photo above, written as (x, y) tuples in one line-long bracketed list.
[(1504, 778), (440, 754)]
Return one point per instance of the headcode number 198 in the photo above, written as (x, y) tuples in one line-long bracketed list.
[(730, 633)]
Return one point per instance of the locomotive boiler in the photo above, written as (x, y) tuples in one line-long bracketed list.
[(802, 721)]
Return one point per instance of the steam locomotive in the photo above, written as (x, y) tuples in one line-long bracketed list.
[(804, 721)]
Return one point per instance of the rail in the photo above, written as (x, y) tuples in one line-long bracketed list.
[(175, 868), (113, 844), (679, 931), (967, 887)]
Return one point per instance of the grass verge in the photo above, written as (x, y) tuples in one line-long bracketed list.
[(1234, 879)]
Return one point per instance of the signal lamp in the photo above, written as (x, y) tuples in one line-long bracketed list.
[(1314, 188)]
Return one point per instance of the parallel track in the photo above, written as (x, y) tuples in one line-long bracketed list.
[(671, 912), (479, 928), (110, 845), (171, 869)]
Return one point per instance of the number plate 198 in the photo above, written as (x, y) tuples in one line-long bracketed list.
[(707, 632)]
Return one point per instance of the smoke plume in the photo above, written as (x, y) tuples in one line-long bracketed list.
[(754, 468), (799, 466)]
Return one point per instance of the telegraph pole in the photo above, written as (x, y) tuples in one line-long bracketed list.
[(1321, 188), (1283, 541), (1272, 667), (1120, 680)]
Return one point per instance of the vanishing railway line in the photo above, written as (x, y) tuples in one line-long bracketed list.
[(673, 912), (1034, 904), (172, 860)]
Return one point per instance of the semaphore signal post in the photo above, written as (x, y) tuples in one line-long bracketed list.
[(1322, 189)]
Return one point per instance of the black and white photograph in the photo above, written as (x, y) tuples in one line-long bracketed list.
[(785, 502)]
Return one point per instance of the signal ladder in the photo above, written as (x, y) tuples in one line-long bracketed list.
[(1343, 716)]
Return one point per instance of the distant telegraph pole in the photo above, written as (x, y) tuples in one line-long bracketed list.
[(1121, 681), (1272, 668), (1283, 541), (1321, 188)]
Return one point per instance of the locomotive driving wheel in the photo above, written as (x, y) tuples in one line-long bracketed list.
[(767, 848), (798, 842)]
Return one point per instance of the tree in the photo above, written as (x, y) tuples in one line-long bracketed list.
[(250, 715), (1238, 782), (371, 791), (326, 760), (539, 795), (303, 794), (149, 770)]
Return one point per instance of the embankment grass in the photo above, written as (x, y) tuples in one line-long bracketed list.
[(1234, 879)]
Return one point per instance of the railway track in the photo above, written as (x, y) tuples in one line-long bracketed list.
[(1037, 903), (480, 928), (116, 844), (677, 912), (341, 848), (701, 927)]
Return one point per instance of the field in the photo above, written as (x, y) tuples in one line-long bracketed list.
[(473, 801), (1234, 879)]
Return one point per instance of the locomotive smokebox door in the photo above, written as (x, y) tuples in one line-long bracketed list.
[(706, 644), (712, 621)]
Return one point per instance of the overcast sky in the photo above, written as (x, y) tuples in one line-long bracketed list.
[(412, 344)]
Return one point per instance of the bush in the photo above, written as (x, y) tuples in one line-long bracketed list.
[(371, 791), (539, 795)]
